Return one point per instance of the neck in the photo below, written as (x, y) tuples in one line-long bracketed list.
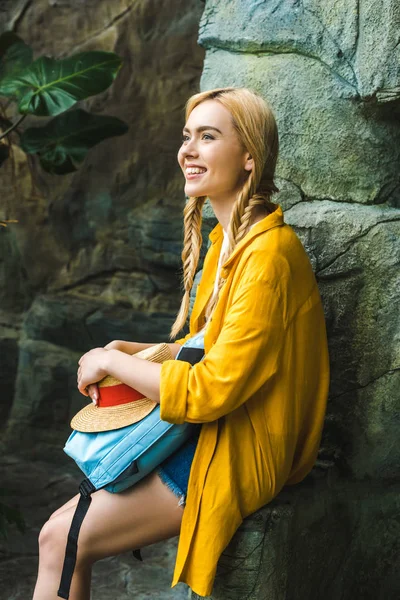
[(222, 208), (223, 213)]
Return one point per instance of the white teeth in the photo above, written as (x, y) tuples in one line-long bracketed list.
[(193, 170)]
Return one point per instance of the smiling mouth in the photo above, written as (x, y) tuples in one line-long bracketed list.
[(194, 174)]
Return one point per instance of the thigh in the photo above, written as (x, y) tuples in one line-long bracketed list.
[(115, 523), (70, 504)]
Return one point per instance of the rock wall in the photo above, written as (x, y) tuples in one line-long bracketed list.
[(95, 255), (330, 72)]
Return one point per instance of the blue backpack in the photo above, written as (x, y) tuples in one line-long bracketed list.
[(116, 460)]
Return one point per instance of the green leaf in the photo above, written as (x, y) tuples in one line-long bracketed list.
[(64, 142), (52, 86), (15, 55)]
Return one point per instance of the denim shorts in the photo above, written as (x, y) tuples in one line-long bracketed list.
[(174, 471)]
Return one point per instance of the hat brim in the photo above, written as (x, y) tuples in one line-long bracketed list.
[(92, 419)]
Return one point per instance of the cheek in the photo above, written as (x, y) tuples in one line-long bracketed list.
[(180, 157)]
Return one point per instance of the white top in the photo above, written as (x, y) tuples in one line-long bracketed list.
[(224, 247)]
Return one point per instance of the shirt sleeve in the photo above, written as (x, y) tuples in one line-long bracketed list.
[(243, 358)]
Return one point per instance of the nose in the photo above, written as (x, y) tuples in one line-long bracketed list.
[(189, 148)]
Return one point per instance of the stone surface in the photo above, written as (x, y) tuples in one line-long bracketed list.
[(355, 252), (39, 488), (329, 142), (325, 538), (357, 41), (95, 255), (331, 76)]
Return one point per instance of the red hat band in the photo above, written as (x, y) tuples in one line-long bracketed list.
[(115, 395)]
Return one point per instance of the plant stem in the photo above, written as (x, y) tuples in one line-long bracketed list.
[(3, 135)]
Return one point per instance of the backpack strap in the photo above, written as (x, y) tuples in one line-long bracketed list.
[(86, 488)]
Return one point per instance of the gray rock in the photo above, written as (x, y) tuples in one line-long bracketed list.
[(356, 256), (342, 37), (9, 335), (326, 538), (331, 76), (329, 142)]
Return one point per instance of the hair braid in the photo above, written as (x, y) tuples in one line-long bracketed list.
[(192, 219)]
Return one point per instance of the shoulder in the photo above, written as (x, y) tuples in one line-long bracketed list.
[(274, 254)]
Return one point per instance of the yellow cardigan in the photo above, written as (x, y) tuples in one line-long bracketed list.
[(260, 392)]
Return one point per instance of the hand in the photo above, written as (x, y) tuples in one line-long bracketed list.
[(114, 345), (92, 368), (93, 392)]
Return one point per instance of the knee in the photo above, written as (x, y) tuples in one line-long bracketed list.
[(53, 540)]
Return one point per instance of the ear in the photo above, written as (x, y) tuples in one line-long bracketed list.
[(249, 164)]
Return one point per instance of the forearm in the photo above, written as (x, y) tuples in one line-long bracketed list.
[(142, 375), (134, 347)]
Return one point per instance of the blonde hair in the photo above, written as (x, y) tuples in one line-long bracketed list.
[(255, 125)]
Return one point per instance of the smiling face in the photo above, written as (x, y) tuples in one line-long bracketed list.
[(213, 160)]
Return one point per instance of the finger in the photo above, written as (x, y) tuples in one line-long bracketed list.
[(82, 387), (93, 392)]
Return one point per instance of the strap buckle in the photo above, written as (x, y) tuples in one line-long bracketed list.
[(86, 488)]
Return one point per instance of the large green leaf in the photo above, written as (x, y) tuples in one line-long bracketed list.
[(50, 86), (15, 55), (64, 142)]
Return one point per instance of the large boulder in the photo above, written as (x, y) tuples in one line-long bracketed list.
[(330, 74)]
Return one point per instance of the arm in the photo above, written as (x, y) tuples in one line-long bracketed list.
[(245, 356), (121, 367), (134, 347), (143, 375)]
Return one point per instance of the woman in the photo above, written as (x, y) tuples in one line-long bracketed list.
[(258, 396)]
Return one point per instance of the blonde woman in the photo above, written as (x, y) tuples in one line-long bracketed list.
[(259, 394)]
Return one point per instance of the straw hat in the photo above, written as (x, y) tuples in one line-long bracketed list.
[(119, 405)]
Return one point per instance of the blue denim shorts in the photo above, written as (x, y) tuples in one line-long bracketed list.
[(174, 471)]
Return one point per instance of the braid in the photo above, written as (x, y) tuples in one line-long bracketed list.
[(192, 242)]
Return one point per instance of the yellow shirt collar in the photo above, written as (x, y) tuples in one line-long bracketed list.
[(274, 219)]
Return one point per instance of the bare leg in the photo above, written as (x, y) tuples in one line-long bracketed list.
[(115, 523)]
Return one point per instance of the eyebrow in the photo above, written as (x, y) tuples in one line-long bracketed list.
[(203, 128)]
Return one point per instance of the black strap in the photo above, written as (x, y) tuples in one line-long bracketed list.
[(86, 489), (190, 355)]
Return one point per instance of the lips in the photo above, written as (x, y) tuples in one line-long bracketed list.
[(194, 171), (194, 175)]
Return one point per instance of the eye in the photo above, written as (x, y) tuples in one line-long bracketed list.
[(205, 136)]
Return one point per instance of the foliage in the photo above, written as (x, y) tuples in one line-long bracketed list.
[(47, 87), (64, 142)]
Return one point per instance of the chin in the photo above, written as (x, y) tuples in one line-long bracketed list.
[(193, 190)]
